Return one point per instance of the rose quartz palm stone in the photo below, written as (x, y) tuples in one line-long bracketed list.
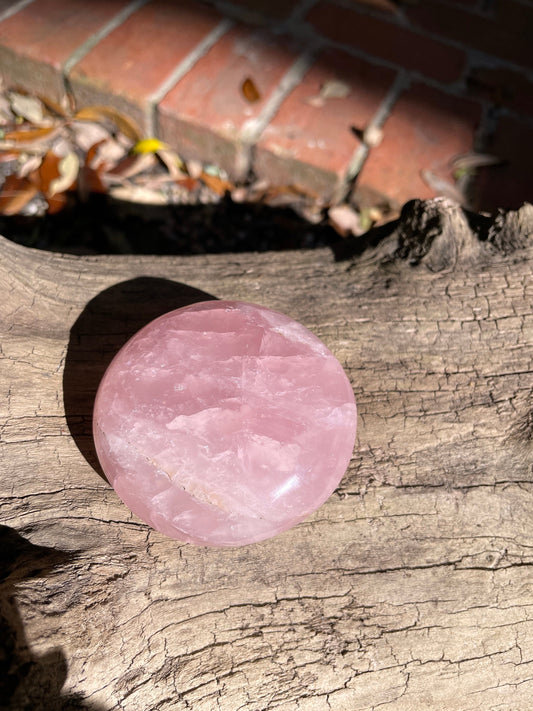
[(224, 423)]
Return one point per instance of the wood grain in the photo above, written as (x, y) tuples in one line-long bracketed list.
[(411, 588)]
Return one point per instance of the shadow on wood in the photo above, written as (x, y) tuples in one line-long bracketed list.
[(28, 680), (105, 324)]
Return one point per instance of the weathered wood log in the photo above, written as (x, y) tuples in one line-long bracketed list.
[(411, 588)]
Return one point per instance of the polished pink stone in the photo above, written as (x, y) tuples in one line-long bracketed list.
[(224, 423)]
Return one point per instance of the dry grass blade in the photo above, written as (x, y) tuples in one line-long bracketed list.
[(471, 161), (102, 113)]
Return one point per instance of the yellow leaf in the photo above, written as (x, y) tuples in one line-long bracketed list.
[(100, 113), (149, 145)]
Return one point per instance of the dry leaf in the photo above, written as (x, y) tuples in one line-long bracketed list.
[(69, 167), (334, 89), (28, 107), (135, 193), (345, 220), (30, 135), (89, 182), (108, 154), (194, 168), (102, 113), (48, 172), (16, 194), (173, 163), (189, 183), (28, 164), (216, 184), (87, 133), (56, 203), (250, 91), (133, 165)]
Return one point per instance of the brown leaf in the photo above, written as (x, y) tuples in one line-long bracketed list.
[(135, 193), (250, 91), (173, 163), (69, 167), (29, 135), (56, 203), (16, 194), (89, 181), (216, 184), (102, 113), (345, 220), (133, 165), (48, 172), (189, 184)]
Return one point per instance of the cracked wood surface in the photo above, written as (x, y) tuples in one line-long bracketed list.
[(411, 588)]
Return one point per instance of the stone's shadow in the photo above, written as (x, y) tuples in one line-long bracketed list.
[(28, 681), (109, 320)]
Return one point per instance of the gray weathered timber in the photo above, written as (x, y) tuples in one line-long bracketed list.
[(411, 588)]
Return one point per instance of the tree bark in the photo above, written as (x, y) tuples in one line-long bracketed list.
[(411, 588)]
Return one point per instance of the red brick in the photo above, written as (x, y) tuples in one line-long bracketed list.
[(36, 41), (126, 67), (204, 114), (311, 146), (385, 39), (425, 130), (507, 185), (505, 34), (503, 87)]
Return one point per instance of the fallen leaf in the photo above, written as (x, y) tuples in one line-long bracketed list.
[(100, 113), (27, 107), (108, 154), (89, 181), (173, 163), (29, 135), (69, 167), (345, 220), (28, 164), (87, 133), (48, 171), (216, 184), (130, 166), (250, 91), (134, 193), (194, 168), (189, 184), (149, 145), (334, 89), (16, 193), (56, 203)]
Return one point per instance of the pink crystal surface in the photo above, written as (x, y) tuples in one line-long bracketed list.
[(224, 423)]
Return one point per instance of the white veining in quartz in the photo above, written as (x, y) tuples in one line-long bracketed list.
[(224, 423)]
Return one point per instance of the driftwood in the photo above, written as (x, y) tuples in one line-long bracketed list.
[(411, 588)]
